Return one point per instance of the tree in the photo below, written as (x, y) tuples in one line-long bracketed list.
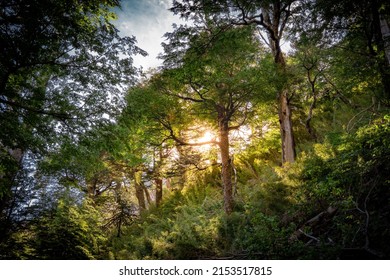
[(338, 43), (361, 27), (272, 17), (60, 59), (353, 181), (218, 84), (68, 231), (104, 166), (145, 113), (60, 62)]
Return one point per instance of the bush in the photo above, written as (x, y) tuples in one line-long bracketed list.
[(182, 227), (69, 231), (355, 180)]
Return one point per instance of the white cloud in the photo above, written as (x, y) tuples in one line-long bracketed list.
[(148, 21)]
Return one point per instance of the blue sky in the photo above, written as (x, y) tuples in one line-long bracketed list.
[(148, 21)]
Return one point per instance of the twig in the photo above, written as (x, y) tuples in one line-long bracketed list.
[(308, 235)]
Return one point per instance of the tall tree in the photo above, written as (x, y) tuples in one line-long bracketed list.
[(360, 27), (272, 17), (219, 83), (60, 62), (145, 113)]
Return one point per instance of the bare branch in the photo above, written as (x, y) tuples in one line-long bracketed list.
[(308, 235)]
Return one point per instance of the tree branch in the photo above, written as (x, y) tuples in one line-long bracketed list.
[(61, 116), (181, 142), (185, 97)]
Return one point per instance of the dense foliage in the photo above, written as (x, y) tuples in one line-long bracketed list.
[(233, 149)]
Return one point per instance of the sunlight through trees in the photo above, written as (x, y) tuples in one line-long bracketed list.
[(232, 149)]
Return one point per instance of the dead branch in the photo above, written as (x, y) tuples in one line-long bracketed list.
[(318, 219)]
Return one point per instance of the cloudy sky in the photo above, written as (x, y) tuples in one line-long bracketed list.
[(148, 21)]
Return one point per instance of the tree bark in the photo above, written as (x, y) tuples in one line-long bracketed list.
[(147, 194), (139, 190), (274, 23), (381, 34), (286, 131), (181, 166), (385, 30), (159, 190), (286, 127), (139, 193), (157, 165), (308, 126), (119, 227), (226, 167)]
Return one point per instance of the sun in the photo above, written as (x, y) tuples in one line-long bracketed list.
[(207, 136)]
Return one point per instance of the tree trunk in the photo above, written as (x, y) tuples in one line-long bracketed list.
[(226, 167), (273, 23), (147, 194), (308, 126), (385, 30), (181, 166), (381, 37), (139, 193), (119, 227), (139, 190), (157, 164), (159, 190), (286, 131)]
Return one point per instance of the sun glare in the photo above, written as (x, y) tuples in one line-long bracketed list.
[(241, 137), (207, 137)]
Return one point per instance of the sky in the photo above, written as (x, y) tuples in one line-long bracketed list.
[(148, 21)]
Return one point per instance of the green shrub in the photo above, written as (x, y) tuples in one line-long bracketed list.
[(355, 180)]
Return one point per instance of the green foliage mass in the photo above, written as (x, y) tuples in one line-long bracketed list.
[(350, 174), (185, 226), (69, 231), (353, 176), (90, 171)]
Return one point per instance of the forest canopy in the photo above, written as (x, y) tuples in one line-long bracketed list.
[(264, 134)]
